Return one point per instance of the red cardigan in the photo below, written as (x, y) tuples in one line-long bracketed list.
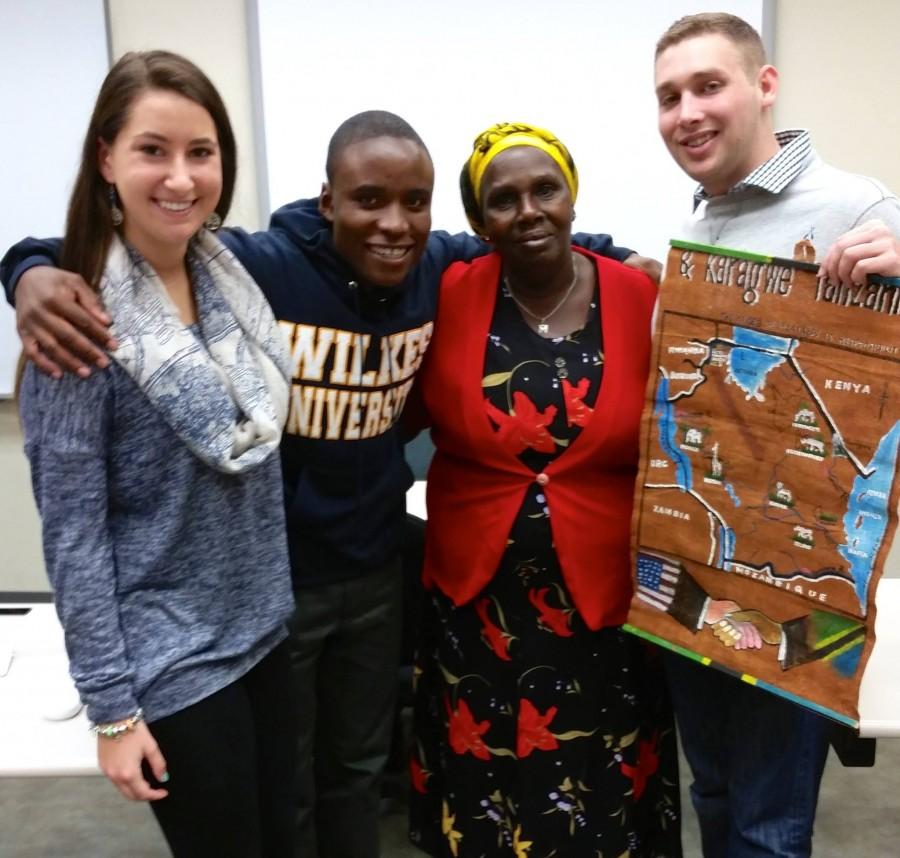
[(476, 487)]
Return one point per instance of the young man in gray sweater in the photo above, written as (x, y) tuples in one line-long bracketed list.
[(756, 759)]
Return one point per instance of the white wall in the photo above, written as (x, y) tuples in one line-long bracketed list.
[(582, 70), (40, 158), (21, 563), (214, 36), (838, 65), (838, 78), (45, 115)]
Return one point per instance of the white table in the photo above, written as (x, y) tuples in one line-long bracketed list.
[(38, 679), (415, 500), (879, 696)]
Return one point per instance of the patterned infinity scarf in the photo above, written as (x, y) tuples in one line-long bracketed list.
[(226, 394)]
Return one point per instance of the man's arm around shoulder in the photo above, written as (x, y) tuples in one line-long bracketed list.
[(59, 317)]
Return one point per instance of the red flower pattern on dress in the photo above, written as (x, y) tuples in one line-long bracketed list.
[(647, 764), (532, 729), (525, 426), (555, 619), (577, 413), (418, 775), (465, 733), (495, 637)]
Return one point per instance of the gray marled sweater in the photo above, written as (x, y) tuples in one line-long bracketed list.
[(171, 579)]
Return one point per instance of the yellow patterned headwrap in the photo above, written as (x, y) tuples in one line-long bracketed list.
[(504, 135)]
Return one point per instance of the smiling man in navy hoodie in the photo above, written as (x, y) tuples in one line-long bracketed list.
[(353, 279)]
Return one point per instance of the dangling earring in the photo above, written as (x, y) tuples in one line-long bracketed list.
[(115, 212), (213, 222)]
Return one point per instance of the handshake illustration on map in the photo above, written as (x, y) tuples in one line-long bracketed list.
[(735, 627), (663, 583)]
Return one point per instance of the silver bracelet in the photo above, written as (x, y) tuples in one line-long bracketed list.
[(117, 728)]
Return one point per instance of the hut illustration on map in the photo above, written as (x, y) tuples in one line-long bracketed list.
[(805, 419), (693, 440)]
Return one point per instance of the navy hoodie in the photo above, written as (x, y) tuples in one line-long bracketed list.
[(355, 349)]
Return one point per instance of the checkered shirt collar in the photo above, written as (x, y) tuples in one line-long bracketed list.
[(779, 171)]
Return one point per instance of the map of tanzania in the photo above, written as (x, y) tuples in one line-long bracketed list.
[(792, 480), (767, 488)]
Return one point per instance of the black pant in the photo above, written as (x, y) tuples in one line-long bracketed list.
[(344, 645), (231, 765)]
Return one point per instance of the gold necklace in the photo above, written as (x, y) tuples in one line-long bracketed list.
[(543, 326)]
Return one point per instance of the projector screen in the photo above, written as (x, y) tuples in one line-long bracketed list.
[(53, 58), (581, 68)]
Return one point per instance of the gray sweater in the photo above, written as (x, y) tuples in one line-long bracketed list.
[(820, 203), (171, 579)]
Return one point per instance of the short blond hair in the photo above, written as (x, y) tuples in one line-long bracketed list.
[(735, 29)]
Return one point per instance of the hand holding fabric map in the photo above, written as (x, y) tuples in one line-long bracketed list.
[(767, 489)]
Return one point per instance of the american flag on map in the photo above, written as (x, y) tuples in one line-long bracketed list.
[(657, 576)]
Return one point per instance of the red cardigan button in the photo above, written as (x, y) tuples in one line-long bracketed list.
[(542, 479)]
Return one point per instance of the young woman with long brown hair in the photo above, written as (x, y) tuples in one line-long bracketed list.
[(157, 480)]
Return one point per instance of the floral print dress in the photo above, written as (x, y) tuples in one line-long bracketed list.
[(534, 735)]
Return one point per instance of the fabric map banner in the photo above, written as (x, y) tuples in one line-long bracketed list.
[(767, 489)]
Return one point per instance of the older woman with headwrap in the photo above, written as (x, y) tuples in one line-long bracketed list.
[(540, 726)]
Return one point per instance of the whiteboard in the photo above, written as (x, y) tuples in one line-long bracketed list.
[(53, 58), (582, 68)]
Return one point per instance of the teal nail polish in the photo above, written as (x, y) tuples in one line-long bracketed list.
[(165, 778)]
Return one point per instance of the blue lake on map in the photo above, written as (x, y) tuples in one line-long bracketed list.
[(668, 436), (759, 340), (726, 545), (749, 366), (729, 488), (867, 514)]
